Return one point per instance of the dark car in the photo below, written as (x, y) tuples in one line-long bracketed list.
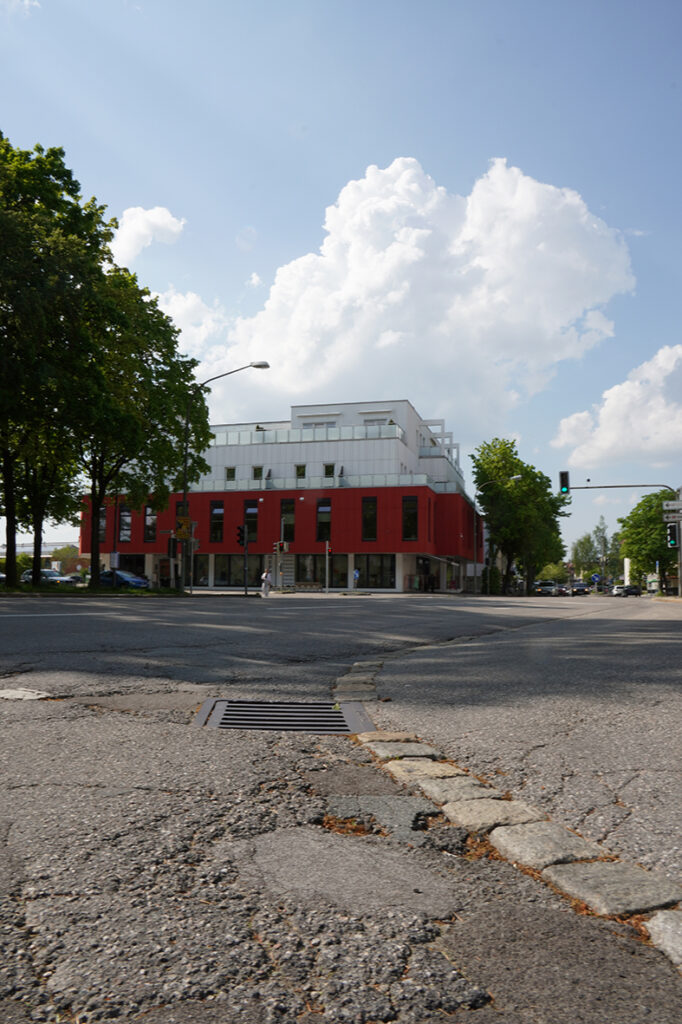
[(123, 579), (47, 576), (579, 589), (563, 590), (632, 590)]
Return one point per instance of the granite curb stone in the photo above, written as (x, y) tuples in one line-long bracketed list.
[(484, 814), (523, 834), (389, 751), (665, 929), (450, 790), (612, 888), (414, 769), (537, 844)]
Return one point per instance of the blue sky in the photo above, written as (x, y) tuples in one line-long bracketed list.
[(471, 204)]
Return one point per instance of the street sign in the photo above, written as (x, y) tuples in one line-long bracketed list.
[(183, 527), (672, 506), (672, 517), (595, 577)]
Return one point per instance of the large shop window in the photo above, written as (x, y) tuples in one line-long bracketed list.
[(410, 518), (200, 570), (376, 571), (324, 519), (228, 570), (369, 518), (217, 519), (149, 524), (312, 569), (287, 518), (125, 524), (251, 520)]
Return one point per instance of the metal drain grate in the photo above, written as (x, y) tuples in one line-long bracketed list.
[(349, 717)]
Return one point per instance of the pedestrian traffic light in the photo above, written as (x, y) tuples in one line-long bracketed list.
[(240, 536), (672, 535), (564, 485)]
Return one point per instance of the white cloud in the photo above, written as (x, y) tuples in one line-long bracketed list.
[(19, 5), (138, 228), (464, 303), (641, 418), (254, 280), (197, 322)]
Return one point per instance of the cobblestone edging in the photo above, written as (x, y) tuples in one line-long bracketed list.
[(519, 832)]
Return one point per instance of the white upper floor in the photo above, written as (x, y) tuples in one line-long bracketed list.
[(350, 443)]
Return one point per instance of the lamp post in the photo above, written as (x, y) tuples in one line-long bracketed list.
[(476, 493), (259, 365)]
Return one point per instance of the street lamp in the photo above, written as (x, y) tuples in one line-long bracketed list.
[(258, 365), (476, 493)]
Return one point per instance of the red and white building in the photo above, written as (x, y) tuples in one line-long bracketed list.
[(363, 494)]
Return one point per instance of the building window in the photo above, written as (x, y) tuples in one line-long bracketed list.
[(300, 472), (287, 514), (102, 525), (324, 519), (376, 571), (375, 422), (229, 473), (369, 518), (257, 472), (217, 518), (410, 518), (329, 469), (251, 520), (125, 524), (149, 524)]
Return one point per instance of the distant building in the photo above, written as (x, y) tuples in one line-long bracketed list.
[(364, 494)]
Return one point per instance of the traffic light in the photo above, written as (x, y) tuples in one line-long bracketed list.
[(564, 485), (240, 536), (672, 535)]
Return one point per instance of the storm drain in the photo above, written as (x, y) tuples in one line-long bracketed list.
[(275, 716)]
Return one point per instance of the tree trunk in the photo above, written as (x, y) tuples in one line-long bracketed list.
[(37, 548), (10, 519)]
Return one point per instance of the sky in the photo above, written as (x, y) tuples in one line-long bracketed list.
[(470, 204)]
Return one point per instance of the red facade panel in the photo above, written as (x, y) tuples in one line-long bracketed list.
[(445, 522)]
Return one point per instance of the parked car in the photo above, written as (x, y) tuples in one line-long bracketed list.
[(632, 590), (579, 589), (617, 590), (546, 587), (47, 576), (123, 579)]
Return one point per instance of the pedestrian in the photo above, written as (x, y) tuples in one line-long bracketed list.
[(266, 583), (356, 577)]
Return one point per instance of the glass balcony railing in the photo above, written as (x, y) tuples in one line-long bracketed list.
[(298, 434), (320, 482)]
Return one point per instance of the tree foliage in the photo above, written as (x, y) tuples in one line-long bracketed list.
[(644, 538), (92, 385), (522, 514)]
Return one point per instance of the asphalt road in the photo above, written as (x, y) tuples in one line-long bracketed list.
[(151, 870)]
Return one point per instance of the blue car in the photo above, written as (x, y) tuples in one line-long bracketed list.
[(123, 579)]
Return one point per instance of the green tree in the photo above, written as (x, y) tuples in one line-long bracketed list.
[(584, 555), (644, 538), (131, 417), (554, 571), (522, 515), (52, 247)]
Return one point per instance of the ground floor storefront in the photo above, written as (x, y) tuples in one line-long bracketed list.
[(344, 571)]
